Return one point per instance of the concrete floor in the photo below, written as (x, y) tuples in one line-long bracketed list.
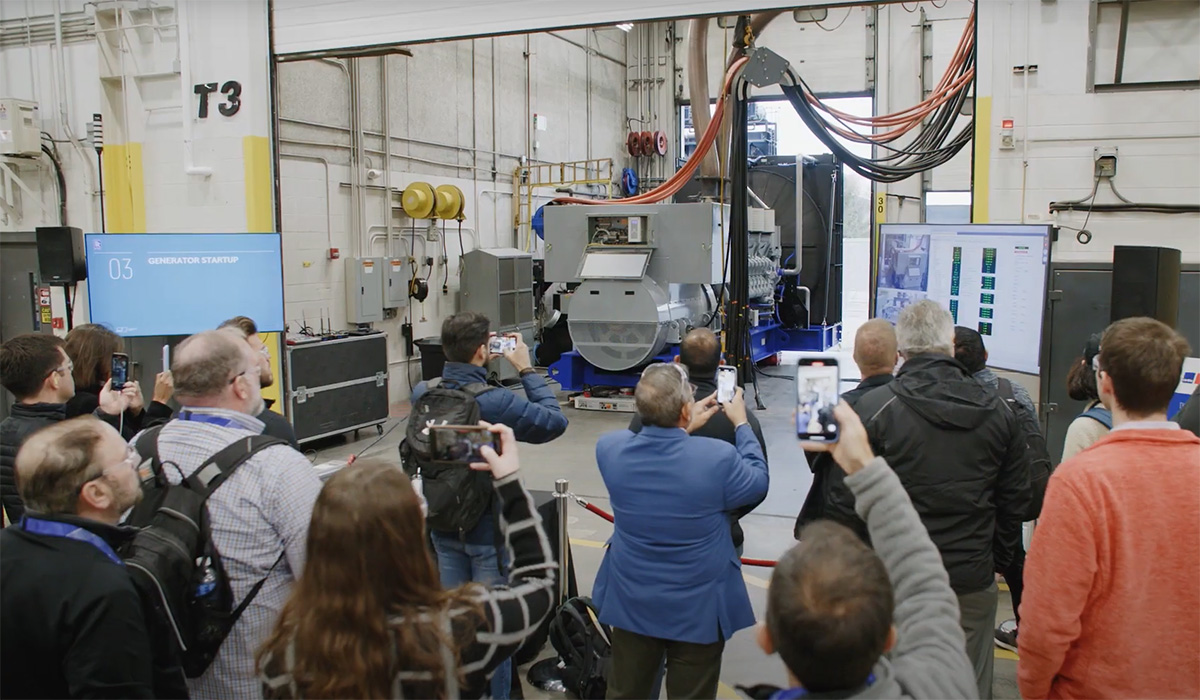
[(768, 529)]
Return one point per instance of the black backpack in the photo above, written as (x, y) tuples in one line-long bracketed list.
[(1040, 465), (456, 496), (172, 559), (584, 646)]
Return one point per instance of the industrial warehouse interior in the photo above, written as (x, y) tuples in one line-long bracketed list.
[(408, 216)]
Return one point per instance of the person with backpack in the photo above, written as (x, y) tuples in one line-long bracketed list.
[(1096, 420), (256, 496), (72, 623), (969, 349), (369, 618), (462, 517)]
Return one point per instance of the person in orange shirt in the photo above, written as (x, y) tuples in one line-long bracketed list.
[(1112, 603)]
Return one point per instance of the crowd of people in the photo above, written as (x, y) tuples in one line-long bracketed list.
[(422, 580)]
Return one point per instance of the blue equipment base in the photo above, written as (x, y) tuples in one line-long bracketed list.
[(771, 338), (574, 373)]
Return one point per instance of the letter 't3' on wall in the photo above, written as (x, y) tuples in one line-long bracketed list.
[(232, 90)]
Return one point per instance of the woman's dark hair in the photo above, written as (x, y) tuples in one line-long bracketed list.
[(367, 562), (1081, 381), (91, 348)]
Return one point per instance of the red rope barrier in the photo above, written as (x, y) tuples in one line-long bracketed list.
[(608, 516)]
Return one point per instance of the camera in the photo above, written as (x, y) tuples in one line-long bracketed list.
[(500, 344), (460, 444)]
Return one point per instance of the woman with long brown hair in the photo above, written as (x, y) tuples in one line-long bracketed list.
[(368, 618), (91, 347)]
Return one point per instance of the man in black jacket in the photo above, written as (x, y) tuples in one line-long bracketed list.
[(700, 353), (876, 356), (36, 369), (960, 453), (71, 622)]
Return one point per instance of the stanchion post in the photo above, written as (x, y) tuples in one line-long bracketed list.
[(562, 496)]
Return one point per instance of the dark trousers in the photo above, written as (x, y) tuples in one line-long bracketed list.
[(693, 670), (1014, 576), (978, 618)]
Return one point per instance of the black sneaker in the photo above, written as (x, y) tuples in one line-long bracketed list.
[(1006, 635)]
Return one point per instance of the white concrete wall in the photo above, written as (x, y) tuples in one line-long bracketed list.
[(458, 114), (1058, 123)]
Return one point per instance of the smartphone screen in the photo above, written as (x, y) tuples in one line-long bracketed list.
[(120, 370), (726, 383), (460, 443), (166, 358), (500, 344), (816, 396)]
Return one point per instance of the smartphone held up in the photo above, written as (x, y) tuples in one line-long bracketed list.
[(500, 344), (120, 370), (726, 384), (817, 382), (460, 444)]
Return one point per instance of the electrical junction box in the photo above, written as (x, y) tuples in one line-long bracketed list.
[(364, 290), (396, 275), (20, 132)]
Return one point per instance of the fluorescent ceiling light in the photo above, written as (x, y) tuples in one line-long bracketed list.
[(625, 26)]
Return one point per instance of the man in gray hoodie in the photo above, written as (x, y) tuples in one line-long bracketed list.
[(849, 622)]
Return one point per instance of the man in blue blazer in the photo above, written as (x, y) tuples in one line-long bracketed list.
[(670, 582)]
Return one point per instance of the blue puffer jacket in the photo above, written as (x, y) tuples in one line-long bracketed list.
[(535, 419)]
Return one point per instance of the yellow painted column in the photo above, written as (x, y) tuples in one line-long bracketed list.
[(124, 188), (983, 160), (260, 218)]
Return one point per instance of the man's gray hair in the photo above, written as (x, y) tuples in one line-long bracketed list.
[(661, 394), (55, 463), (925, 327), (205, 363)]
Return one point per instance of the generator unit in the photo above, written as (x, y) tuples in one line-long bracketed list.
[(640, 277)]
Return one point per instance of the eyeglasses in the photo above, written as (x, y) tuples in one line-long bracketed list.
[(132, 460), (68, 369), (264, 351), (683, 374), (239, 374)]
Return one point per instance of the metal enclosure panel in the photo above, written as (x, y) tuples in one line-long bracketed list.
[(498, 283), (337, 385), (364, 290), (18, 276), (1079, 305), (686, 239), (397, 273)]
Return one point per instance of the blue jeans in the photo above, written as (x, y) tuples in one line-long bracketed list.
[(474, 558)]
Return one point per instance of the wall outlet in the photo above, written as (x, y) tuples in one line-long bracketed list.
[(1106, 161)]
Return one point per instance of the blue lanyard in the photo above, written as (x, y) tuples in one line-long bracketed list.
[(202, 418), (799, 692), (54, 528)]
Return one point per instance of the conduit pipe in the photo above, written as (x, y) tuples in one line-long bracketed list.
[(61, 85), (185, 89)]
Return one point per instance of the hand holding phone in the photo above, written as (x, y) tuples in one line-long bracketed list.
[(726, 383), (853, 451), (501, 344), (120, 370), (817, 382), (502, 462)]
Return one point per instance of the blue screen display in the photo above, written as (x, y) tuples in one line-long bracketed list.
[(151, 284)]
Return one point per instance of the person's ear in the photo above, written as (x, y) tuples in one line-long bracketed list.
[(676, 360), (763, 636), (96, 495), (890, 642)]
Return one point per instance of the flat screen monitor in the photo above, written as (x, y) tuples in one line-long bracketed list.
[(992, 278), (155, 284)]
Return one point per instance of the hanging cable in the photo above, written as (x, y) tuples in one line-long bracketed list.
[(52, 154)]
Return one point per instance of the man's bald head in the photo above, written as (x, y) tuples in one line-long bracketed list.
[(700, 352), (204, 364), (875, 348)]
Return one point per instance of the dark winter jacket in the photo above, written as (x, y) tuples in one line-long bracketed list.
[(537, 418), (23, 420), (960, 453), (1188, 417), (721, 428), (828, 477), (71, 622), (86, 401), (276, 425)]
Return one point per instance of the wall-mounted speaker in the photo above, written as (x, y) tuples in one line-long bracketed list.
[(1145, 282), (61, 258)]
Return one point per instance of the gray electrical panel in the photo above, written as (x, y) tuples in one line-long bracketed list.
[(397, 273), (498, 283), (364, 290)]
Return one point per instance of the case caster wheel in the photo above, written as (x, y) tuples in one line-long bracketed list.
[(379, 429)]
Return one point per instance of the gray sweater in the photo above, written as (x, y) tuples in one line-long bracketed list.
[(930, 658)]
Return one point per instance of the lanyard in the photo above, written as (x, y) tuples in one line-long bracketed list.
[(202, 418), (54, 528)]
